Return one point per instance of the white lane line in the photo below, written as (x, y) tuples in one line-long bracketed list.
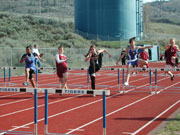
[(38, 106), (51, 103), (109, 114), (128, 133), (58, 114), (167, 87), (113, 111), (30, 123), (18, 126), (65, 112), (147, 124), (15, 102), (30, 98), (31, 107), (78, 130), (41, 81)]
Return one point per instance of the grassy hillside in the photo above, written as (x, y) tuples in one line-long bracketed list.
[(165, 12), (164, 28), (51, 8), (16, 31)]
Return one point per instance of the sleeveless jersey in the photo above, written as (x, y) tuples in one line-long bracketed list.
[(132, 55), (30, 61), (94, 58), (144, 55), (172, 51), (94, 64), (61, 67)]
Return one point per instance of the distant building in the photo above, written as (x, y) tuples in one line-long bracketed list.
[(109, 19), (154, 54)]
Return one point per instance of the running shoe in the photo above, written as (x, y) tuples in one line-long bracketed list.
[(39, 71), (172, 78), (175, 66), (25, 83), (126, 84)]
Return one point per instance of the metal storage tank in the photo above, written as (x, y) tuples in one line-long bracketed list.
[(108, 19)]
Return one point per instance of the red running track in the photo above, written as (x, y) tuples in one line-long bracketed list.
[(135, 112)]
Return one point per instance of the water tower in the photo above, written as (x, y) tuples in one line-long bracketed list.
[(109, 19)]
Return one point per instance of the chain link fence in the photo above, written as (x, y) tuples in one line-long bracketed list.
[(10, 57)]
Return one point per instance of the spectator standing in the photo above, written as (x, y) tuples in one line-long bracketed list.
[(37, 61)]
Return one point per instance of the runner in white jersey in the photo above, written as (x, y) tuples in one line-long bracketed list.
[(37, 60)]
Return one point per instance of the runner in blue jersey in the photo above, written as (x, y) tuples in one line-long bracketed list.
[(30, 67), (132, 52)]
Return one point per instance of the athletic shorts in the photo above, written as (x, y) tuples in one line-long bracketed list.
[(61, 72), (94, 68), (31, 73), (133, 63)]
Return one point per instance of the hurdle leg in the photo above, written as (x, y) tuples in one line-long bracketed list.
[(104, 113), (155, 81), (119, 80), (5, 76), (121, 92), (46, 112), (36, 77), (9, 79), (150, 81), (35, 112)]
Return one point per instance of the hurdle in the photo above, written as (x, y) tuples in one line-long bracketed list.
[(88, 81), (118, 79), (123, 81), (104, 113), (155, 81), (150, 77), (46, 91), (139, 69), (46, 114), (54, 90), (156, 86), (2, 132), (85, 69), (53, 68), (4, 75), (150, 81)]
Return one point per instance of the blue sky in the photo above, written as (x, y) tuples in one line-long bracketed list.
[(148, 1)]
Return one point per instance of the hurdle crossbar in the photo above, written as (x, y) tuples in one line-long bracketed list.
[(54, 90), (153, 69), (2, 132), (103, 68), (54, 68)]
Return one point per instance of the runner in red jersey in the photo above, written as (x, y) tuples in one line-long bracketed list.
[(171, 56), (144, 56), (61, 67)]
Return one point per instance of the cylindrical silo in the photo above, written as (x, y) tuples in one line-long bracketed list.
[(106, 19)]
